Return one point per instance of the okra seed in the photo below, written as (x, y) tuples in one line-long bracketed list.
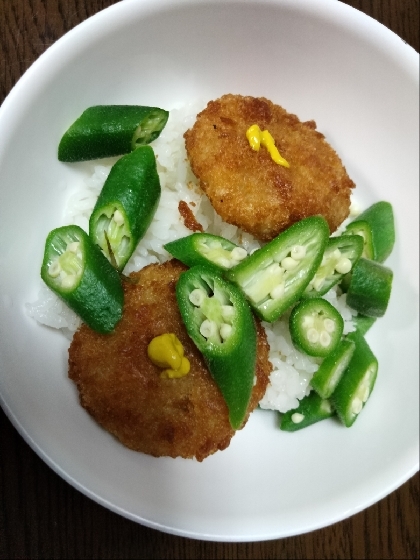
[(325, 339), (208, 328), (277, 292), (118, 218), (54, 269), (222, 261), (343, 266), (73, 247), (274, 268), (329, 325), (225, 331), (68, 281), (289, 263), (238, 253), (312, 335), (298, 252), (356, 405), (326, 407), (228, 312), (336, 254), (365, 395), (317, 283), (197, 297), (308, 321), (297, 417)]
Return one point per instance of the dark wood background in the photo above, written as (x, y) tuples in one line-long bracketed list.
[(41, 516)]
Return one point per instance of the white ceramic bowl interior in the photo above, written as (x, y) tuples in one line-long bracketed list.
[(319, 59)]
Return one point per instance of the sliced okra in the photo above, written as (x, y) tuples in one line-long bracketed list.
[(316, 327), (76, 270), (220, 322), (126, 205), (339, 258), (370, 288), (329, 373), (357, 382), (376, 225), (111, 130), (363, 230), (274, 277), (204, 248), (363, 323), (311, 409)]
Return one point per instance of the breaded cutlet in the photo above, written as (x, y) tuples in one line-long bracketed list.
[(124, 392), (246, 187)]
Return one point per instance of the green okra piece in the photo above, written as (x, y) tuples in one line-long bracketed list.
[(220, 322), (311, 409), (329, 373), (316, 327), (340, 255), (207, 249), (370, 288), (363, 323), (76, 270), (357, 382), (126, 205), (376, 225), (275, 276), (363, 230), (111, 130)]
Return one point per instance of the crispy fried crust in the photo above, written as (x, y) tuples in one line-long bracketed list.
[(122, 389), (247, 188)]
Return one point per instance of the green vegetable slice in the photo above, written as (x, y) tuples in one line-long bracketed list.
[(111, 130), (126, 205), (207, 249), (363, 323), (379, 219), (316, 327), (370, 288), (339, 258), (363, 230), (311, 409), (76, 270), (357, 382), (274, 277), (219, 321), (329, 373)]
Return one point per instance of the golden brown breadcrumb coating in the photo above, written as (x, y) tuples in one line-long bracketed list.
[(247, 188), (122, 389)]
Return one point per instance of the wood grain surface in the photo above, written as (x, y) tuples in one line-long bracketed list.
[(41, 516)]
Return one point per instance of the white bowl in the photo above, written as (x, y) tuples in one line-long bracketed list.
[(319, 59)]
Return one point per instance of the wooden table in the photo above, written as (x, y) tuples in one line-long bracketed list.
[(41, 516)]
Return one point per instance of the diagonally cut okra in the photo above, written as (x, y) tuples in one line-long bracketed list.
[(274, 277), (329, 373), (340, 255), (126, 205), (207, 249), (370, 288), (357, 382), (111, 130), (376, 225), (311, 409), (76, 270), (220, 322)]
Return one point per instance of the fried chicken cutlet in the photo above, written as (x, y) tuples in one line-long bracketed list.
[(246, 187), (122, 389)]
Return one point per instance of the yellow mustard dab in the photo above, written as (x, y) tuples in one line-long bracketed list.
[(256, 137), (166, 351)]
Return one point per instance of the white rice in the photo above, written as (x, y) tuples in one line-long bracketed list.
[(292, 370)]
